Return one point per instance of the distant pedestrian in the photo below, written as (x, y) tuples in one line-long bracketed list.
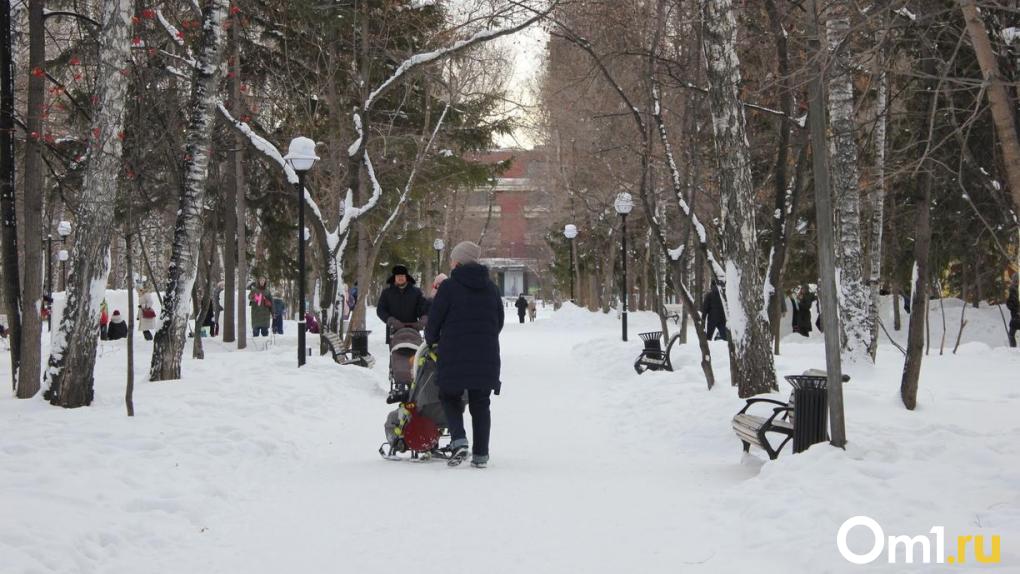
[(432, 292), (118, 328), (311, 323), (352, 300), (261, 302), (522, 307), (1013, 304), (279, 308), (147, 313), (715, 315), (217, 302), (802, 315), (532, 310), (104, 319), (465, 321)]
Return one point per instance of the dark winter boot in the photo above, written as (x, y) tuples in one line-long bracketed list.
[(459, 451), (479, 460)]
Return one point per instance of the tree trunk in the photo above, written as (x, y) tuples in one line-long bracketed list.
[(129, 392), (73, 352), (826, 244), (998, 98), (753, 366), (919, 298), (878, 206), (8, 211), (32, 287), (918, 326), (777, 258), (853, 300), (168, 347), (233, 326)]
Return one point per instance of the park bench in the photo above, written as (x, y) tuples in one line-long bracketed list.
[(803, 419), (357, 354), (652, 357), (333, 345)]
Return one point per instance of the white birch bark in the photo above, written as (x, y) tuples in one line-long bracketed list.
[(878, 208), (854, 305), (170, 338), (752, 365), (73, 350)]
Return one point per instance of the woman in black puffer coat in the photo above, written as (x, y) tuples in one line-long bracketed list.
[(465, 320)]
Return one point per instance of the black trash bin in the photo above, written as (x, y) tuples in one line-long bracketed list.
[(359, 343), (810, 415)]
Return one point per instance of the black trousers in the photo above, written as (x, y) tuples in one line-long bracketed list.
[(724, 334), (481, 418)]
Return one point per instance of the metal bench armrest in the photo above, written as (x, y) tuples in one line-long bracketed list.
[(775, 413), (759, 400)]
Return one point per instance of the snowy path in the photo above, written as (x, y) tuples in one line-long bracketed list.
[(251, 466), (567, 486)]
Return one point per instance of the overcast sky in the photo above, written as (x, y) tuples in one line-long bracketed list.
[(528, 49)]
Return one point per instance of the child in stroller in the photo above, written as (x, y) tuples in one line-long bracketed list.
[(405, 339), (418, 423)]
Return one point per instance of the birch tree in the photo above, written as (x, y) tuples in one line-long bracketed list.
[(73, 350), (8, 212), (878, 201), (170, 338), (854, 314), (753, 368), (32, 178)]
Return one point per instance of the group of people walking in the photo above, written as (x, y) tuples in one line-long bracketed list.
[(526, 307), (463, 320)]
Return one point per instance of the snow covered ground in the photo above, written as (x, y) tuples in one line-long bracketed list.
[(249, 465)]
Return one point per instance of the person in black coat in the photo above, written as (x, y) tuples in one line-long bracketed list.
[(400, 302), (715, 314), (804, 303), (117, 329), (522, 307), (465, 321)]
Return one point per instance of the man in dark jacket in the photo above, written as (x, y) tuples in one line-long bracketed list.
[(715, 314), (401, 301), (465, 321), (522, 307)]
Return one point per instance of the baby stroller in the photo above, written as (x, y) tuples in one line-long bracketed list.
[(419, 422), (405, 338)]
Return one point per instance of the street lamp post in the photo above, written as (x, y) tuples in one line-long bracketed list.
[(49, 279), (570, 232), (438, 245), (63, 230), (63, 256), (301, 156), (624, 204)]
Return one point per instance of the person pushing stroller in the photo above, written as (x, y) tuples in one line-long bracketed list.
[(401, 302)]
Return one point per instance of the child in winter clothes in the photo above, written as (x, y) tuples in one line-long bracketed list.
[(147, 314), (117, 328)]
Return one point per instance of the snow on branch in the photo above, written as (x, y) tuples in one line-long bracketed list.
[(260, 143), (272, 152), (674, 173), (419, 60)]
